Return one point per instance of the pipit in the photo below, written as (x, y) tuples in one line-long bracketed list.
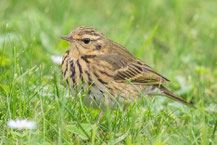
[(114, 74)]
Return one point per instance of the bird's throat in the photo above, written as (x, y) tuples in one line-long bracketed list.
[(74, 51)]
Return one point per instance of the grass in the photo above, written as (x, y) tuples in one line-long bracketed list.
[(177, 38)]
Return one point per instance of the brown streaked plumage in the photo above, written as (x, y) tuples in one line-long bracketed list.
[(114, 74)]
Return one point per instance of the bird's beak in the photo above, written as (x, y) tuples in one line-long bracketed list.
[(67, 38)]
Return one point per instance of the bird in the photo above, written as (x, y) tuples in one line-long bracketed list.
[(112, 75)]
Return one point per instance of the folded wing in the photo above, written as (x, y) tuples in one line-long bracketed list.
[(139, 73)]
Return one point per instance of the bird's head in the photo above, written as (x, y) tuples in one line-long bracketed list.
[(86, 40)]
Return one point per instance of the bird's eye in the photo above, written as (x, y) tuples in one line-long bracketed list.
[(86, 40)]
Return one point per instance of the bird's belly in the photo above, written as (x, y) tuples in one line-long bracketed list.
[(102, 99)]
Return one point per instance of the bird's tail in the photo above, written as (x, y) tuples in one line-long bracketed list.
[(175, 97)]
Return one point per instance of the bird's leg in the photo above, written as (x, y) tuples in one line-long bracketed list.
[(100, 116), (125, 107)]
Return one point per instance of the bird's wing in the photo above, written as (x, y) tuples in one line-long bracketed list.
[(130, 68), (139, 73)]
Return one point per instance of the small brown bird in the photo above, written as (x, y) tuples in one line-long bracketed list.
[(114, 74)]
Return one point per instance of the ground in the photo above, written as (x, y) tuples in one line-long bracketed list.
[(175, 37)]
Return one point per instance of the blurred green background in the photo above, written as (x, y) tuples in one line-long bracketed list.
[(175, 37)]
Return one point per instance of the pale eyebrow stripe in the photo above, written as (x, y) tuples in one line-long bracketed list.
[(94, 37)]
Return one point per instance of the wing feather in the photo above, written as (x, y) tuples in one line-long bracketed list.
[(139, 73), (134, 70)]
